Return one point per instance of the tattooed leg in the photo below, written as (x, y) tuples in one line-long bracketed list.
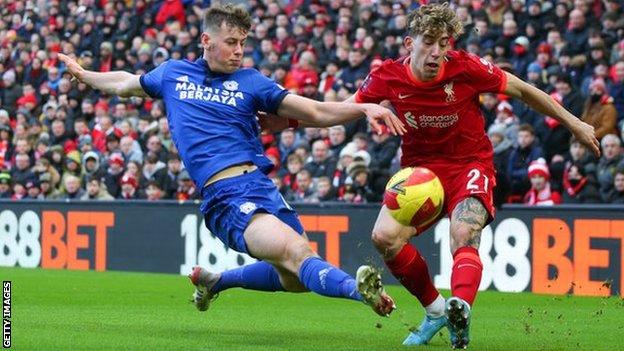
[(467, 221)]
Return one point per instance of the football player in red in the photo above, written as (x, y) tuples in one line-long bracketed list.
[(435, 91)]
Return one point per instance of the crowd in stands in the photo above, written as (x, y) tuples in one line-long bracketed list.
[(59, 139)]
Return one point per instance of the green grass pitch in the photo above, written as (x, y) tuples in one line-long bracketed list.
[(68, 310)]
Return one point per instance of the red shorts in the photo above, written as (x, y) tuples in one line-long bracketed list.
[(463, 180)]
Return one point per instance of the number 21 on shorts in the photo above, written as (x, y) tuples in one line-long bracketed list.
[(477, 182)]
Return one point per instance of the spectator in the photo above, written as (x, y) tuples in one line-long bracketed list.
[(540, 193), (579, 186), (521, 156), (337, 139), (507, 120), (570, 97), (381, 151), (72, 167), (322, 164), (288, 139), (5, 185), (91, 167), (502, 149), (129, 185), (324, 190), (154, 169), (609, 162), (72, 190), (95, 190), (10, 92), (21, 172), (360, 176), (130, 149), (554, 137), (599, 111), (154, 145), (294, 164), (617, 88), (357, 70), (33, 192), (305, 191), (616, 195), (153, 191), (174, 167), (48, 190), (186, 187), (113, 174)]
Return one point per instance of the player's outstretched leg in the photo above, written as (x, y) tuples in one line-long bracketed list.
[(409, 267), (203, 281), (372, 291), (256, 276), (458, 314), (324, 279)]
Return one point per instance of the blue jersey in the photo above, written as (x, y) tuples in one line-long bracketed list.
[(212, 116)]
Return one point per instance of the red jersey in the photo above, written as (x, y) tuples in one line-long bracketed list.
[(443, 119)]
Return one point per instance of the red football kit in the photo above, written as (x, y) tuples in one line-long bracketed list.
[(445, 126)]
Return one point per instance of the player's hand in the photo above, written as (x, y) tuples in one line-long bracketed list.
[(73, 67), (270, 123), (379, 115), (584, 133)]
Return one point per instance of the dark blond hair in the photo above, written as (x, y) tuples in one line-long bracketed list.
[(434, 20), (233, 16)]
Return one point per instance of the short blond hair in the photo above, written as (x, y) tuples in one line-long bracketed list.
[(434, 20)]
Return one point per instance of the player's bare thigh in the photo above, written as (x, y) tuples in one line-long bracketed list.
[(275, 242), (389, 236), (467, 221)]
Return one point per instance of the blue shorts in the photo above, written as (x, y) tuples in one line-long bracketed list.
[(230, 203)]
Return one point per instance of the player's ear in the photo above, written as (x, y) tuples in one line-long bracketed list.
[(408, 42), (205, 40)]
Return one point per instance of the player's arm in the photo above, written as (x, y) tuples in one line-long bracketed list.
[(311, 113), (119, 83), (543, 103)]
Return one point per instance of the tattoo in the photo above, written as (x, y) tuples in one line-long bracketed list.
[(471, 213)]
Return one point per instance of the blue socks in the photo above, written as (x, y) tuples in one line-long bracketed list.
[(315, 274), (324, 279), (256, 276)]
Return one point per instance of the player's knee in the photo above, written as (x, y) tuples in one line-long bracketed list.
[(384, 240), (462, 235)]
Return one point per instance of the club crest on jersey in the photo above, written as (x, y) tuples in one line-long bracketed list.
[(450, 94), (487, 64), (230, 85)]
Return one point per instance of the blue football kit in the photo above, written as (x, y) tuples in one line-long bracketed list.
[(212, 118)]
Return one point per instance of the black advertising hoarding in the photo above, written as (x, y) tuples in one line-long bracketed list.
[(552, 250)]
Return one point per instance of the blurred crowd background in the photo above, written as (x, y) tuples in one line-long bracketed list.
[(59, 139)]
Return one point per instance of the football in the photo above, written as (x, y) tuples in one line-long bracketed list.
[(415, 197)]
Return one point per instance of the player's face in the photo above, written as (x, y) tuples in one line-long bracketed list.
[(426, 54), (224, 49)]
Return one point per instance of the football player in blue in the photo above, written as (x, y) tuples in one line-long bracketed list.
[(211, 108)]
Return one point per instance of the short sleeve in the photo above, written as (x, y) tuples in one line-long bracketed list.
[(373, 90), (484, 76), (268, 93), (152, 81)]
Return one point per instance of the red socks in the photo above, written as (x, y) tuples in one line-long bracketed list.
[(466, 275), (411, 270)]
